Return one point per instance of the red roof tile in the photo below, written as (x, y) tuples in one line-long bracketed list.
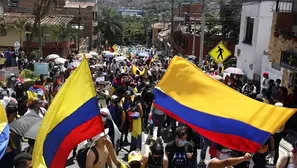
[(46, 21)]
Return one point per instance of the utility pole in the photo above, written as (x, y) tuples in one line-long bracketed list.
[(172, 25), (194, 37), (202, 33), (40, 38), (78, 30)]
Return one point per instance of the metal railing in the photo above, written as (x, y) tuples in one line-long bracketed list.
[(285, 5)]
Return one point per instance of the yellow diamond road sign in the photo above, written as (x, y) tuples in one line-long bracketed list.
[(220, 53)]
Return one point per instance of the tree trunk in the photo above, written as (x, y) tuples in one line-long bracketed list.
[(21, 38), (61, 52), (40, 12)]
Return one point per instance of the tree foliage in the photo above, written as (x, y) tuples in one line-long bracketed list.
[(21, 26), (3, 26), (62, 33), (134, 30), (230, 18), (111, 26), (225, 21), (40, 9)]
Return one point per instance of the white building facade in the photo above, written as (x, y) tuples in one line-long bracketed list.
[(255, 30)]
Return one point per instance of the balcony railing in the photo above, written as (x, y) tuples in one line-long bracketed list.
[(285, 5)]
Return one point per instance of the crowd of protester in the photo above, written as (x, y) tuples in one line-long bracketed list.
[(125, 97)]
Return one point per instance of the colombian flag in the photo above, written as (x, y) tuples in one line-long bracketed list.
[(72, 118), (114, 47), (136, 71), (216, 111), (34, 91), (4, 131)]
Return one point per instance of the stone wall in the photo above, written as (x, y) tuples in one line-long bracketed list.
[(276, 46)]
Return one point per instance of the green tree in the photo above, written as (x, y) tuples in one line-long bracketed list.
[(40, 9), (111, 26), (21, 26), (62, 33), (230, 13), (225, 21), (133, 30)]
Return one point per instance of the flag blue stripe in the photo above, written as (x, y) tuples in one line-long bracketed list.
[(210, 122), (4, 139), (54, 138)]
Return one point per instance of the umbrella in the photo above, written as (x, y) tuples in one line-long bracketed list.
[(60, 60), (233, 70), (33, 130), (143, 54), (81, 55), (93, 53), (191, 57), (22, 125), (217, 77), (52, 57), (120, 59), (108, 55)]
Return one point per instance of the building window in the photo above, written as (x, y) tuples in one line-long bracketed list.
[(249, 30), (276, 66), (13, 3), (94, 15)]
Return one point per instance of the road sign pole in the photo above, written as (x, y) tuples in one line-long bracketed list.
[(219, 66), (194, 38), (202, 34)]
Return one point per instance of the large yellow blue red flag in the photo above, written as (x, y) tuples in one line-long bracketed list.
[(4, 131), (216, 111), (72, 118)]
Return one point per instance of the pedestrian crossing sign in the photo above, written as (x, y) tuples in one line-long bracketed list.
[(220, 53)]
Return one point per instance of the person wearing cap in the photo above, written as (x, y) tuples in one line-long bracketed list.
[(126, 104), (113, 131), (135, 159), (102, 93), (289, 160), (6, 89), (102, 150), (11, 81), (35, 108), (21, 96), (116, 112), (264, 84), (106, 152), (125, 87), (11, 111), (249, 89)]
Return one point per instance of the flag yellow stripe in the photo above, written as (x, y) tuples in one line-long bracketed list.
[(189, 86)]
